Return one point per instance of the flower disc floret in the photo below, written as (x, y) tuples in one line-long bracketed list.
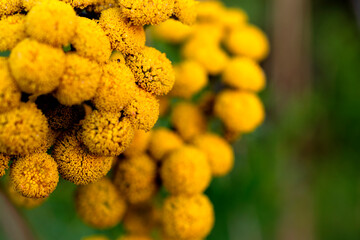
[(12, 30), (10, 94), (139, 144), (8, 7), (162, 142), (4, 163), (185, 11)]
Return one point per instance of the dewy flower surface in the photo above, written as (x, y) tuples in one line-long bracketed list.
[(12, 30)]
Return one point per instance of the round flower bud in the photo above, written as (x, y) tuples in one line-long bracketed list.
[(248, 41), (140, 219), (172, 31), (8, 7), (240, 111), (123, 36), (99, 204), (188, 120), (152, 70), (134, 237), (106, 134), (117, 88), (21, 201), (186, 171), (10, 94), (188, 217), (90, 41), (210, 11), (52, 22), (34, 176), (190, 78), (162, 142), (219, 153), (12, 30), (135, 178), (139, 144), (22, 130), (233, 18), (143, 110), (95, 237), (36, 67), (244, 73), (75, 162), (80, 80), (4, 163), (185, 11)]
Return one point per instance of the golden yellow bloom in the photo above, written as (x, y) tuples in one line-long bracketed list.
[(188, 217), (233, 18), (76, 163), (188, 120), (248, 41), (208, 33), (185, 11), (244, 73), (90, 41), (106, 133), (34, 176), (164, 105), (123, 36), (139, 144), (146, 12), (134, 237), (36, 67), (172, 31), (117, 88), (190, 78), (10, 94), (143, 110), (186, 171), (8, 7), (210, 11), (135, 178), (95, 237), (140, 219), (22, 130), (52, 22), (152, 70), (219, 152), (4, 163), (12, 30), (162, 142), (240, 111), (21, 201), (99, 204)]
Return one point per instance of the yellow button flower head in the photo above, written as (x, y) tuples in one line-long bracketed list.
[(210, 11), (90, 41), (99, 204), (80, 80), (10, 94), (117, 88), (52, 22), (135, 178), (244, 73), (172, 31), (8, 7), (143, 110), (152, 70), (233, 18), (240, 111), (188, 120), (106, 133), (248, 41), (75, 162), (188, 217), (22, 130), (134, 237), (95, 237), (4, 163), (186, 171), (185, 11), (12, 30), (140, 219), (219, 152), (123, 36), (162, 142), (139, 144), (34, 176), (190, 78), (146, 12), (21, 201)]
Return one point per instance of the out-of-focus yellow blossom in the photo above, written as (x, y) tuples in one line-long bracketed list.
[(117, 56), (172, 31), (134, 237), (190, 78), (220, 153), (12, 30), (99, 204), (232, 135), (21, 201), (152, 70), (143, 110), (248, 41), (22, 130), (34, 176), (188, 120), (4, 163), (139, 144), (76, 163), (244, 73), (162, 142), (117, 88), (208, 33), (206, 102), (145, 12), (240, 111), (164, 104), (123, 36), (135, 178), (36, 67), (185, 11), (233, 18), (106, 133), (140, 219), (10, 94), (186, 171), (51, 22), (8, 7), (188, 217), (95, 237), (90, 41), (80, 80), (210, 11)]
